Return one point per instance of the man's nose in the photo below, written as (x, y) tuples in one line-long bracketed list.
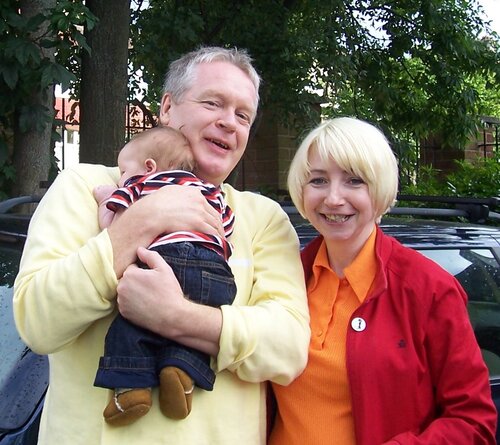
[(227, 120)]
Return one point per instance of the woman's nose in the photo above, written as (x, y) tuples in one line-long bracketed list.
[(334, 196)]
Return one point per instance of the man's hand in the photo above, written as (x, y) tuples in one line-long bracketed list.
[(152, 298), (178, 207), (167, 210)]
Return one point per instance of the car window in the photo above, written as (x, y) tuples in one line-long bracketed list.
[(479, 273)]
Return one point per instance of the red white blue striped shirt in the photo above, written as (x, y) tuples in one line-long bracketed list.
[(138, 186)]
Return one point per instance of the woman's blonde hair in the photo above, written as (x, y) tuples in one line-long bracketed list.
[(358, 148)]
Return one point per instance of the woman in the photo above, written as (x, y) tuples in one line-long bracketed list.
[(392, 358)]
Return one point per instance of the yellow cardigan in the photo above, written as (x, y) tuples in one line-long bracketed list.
[(64, 301)]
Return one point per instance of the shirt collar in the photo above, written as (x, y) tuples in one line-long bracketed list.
[(360, 274)]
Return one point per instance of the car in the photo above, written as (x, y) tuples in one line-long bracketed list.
[(24, 375), (468, 250)]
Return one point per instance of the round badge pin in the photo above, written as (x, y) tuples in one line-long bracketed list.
[(358, 324)]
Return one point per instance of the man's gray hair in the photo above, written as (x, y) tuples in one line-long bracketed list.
[(181, 73)]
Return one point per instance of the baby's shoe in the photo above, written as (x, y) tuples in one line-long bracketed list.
[(127, 405), (176, 392)]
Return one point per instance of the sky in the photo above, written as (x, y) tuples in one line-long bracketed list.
[(492, 10)]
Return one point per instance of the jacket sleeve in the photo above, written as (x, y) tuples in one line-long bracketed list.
[(66, 278), (265, 333), (467, 414)]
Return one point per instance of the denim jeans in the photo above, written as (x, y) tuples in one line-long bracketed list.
[(133, 356)]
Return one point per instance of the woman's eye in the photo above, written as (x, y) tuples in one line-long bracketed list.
[(317, 181), (356, 181)]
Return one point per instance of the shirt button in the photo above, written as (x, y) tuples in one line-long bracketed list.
[(358, 324), (320, 333)]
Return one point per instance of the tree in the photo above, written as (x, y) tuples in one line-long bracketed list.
[(413, 66), (39, 100), (39, 41), (103, 93), (406, 65)]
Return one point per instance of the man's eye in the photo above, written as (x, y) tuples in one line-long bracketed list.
[(244, 117), (210, 103)]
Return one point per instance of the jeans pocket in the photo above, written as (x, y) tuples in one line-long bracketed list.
[(217, 289)]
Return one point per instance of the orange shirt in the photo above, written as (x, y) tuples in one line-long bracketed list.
[(315, 409)]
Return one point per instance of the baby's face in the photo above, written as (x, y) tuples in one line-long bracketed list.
[(130, 165)]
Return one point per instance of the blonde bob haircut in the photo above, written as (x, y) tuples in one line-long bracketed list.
[(358, 148)]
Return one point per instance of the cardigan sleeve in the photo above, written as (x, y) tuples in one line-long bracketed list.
[(66, 278), (265, 333)]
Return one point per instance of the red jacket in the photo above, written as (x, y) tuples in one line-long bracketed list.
[(415, 371)]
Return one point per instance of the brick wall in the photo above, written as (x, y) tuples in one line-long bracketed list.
[(265, 163), (484, 144)]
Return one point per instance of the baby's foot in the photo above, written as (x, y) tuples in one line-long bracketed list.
[(127, 405), (176, 392)]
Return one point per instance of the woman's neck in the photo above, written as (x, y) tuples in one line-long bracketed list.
[(341, 253)]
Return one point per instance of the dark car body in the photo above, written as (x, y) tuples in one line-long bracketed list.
[(24, 375), (471, 252)]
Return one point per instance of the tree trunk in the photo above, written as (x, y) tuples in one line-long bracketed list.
[(103, 94), (32, 149)]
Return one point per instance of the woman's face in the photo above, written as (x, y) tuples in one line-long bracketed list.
[(337, 203)]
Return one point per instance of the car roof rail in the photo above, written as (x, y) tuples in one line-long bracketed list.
[(477, 210), (7, 205)]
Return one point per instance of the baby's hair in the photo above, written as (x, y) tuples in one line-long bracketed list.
[(167, 146)]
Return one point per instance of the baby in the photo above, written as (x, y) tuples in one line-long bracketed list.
[(135, 359)]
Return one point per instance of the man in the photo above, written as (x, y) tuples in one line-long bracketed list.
[(71, 273)]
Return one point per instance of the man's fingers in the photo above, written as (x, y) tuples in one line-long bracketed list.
[(151, 258)]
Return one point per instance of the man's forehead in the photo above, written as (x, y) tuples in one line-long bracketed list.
[(214, 71), (245, 97)]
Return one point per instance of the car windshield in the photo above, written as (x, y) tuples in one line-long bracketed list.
[(479, 273)]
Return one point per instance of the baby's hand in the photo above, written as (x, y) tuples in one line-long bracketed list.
[(101, 195), (103, 192)]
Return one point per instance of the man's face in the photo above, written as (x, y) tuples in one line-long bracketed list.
[(215, 115)]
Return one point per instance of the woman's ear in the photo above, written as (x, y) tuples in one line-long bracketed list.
[(166, 102), (150, 165)]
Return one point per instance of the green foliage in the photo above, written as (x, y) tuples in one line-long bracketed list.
[(414, 67), (26, 70), (427, 183), (168, 29), (480, 179)]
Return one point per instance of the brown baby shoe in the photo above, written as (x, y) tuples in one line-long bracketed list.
[(176, 393), (127, 406)]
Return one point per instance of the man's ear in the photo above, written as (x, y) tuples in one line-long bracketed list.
[(150, 165), (166, 102)]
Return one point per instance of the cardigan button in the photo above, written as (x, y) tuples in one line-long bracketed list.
[(358, 324)]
